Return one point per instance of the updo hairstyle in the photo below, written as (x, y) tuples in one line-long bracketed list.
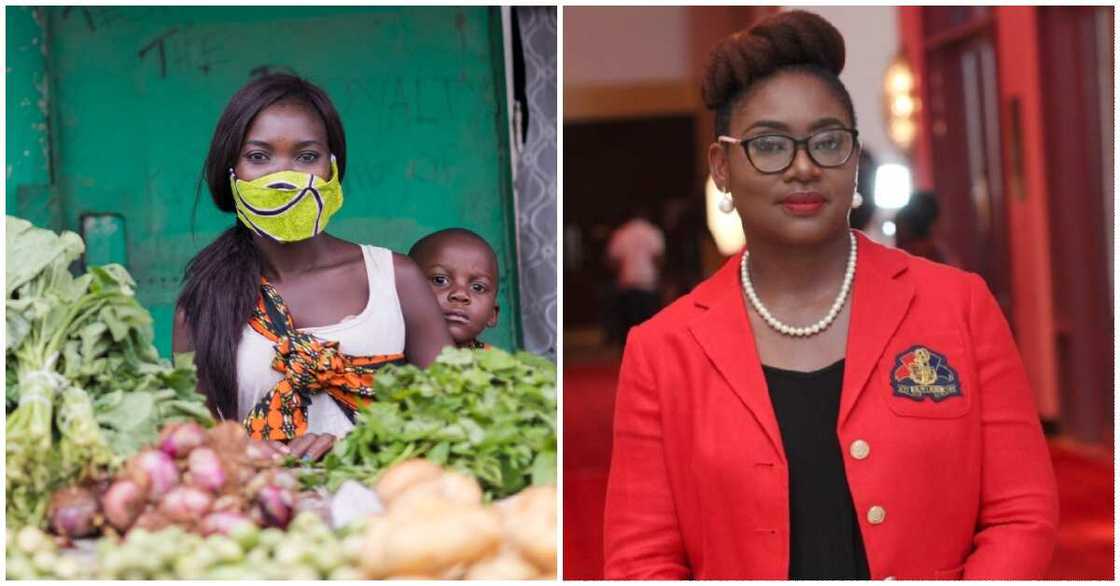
[(787, 41)]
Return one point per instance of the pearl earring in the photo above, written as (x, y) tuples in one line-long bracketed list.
[(857, 200), (726, 204)]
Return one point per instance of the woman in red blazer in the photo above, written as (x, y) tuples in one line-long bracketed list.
[(823, 407)]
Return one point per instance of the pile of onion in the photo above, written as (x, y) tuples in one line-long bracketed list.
[(208, 481)]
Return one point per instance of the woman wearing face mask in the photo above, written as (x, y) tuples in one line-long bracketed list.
[(821, 407), (288, 323)]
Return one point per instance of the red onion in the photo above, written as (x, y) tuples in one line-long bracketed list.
[(73, 512), (312, 502), (169, 428), (152, 521), (285, 479), (206, 469), (243, 475), (122, 503), (258, 481), (178, 439), (273, 507), (156, 471), (228, 436), (272, 476), (222, 522), (229, 502), (186, 504), (100, 484)]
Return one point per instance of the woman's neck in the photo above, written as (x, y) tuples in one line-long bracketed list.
[(287, 259), (778, 269)]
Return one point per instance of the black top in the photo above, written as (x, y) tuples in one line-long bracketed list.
[(825, 542)]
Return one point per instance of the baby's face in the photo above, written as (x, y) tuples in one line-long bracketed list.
[(464, 279)]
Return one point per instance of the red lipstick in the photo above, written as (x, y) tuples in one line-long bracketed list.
[(804, 203)]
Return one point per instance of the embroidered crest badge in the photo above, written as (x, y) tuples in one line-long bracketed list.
[(920, 372)]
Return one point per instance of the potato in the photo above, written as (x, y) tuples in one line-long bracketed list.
[(529, 523), (422, 505), (436, 527), (507, 564), (541, 499), (404, 475), (455, 572), (372, 558), (428, 543), (451, 486)]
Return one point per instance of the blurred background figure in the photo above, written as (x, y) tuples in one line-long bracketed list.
[(683, 219), (634, 254), (914, 228), (1001, 117)]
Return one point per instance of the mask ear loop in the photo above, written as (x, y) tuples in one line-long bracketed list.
[(334, 168)]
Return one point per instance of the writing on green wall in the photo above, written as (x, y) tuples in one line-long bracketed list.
[(135, 92)]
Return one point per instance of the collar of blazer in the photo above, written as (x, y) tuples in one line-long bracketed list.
[(879, 298)]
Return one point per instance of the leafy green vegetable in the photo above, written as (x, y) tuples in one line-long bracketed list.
[(30, 469), (85, 385), (483, 412)]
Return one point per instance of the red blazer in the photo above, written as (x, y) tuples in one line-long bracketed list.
[(956, 487)]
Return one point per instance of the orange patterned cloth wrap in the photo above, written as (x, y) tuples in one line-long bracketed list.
[(309, 365)]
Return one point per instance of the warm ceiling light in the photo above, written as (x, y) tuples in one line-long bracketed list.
[(902, 133), (900, 104), (899, 79)]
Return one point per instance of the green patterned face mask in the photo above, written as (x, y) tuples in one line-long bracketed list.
[(287, 206)]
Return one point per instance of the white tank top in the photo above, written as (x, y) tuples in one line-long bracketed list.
[(378, 329)]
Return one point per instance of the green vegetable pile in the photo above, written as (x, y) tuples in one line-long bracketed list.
[(86, 387), (309, 550), (486, 413)]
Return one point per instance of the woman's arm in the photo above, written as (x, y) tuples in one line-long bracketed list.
[(1017, 529), (182, 340), (426, 331), (640, 534)]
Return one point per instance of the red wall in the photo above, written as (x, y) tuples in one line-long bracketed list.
[(1018, 55), (910, 39)]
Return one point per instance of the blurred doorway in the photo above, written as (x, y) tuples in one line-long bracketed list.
[(1076, 64), (612, 167), (964, 109)]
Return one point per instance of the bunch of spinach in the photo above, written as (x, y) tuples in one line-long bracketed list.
[(85, 385), (482, 412)]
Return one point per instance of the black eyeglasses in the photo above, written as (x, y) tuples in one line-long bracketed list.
[(774, 153)]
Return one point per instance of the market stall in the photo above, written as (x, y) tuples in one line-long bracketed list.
[(116, 469)]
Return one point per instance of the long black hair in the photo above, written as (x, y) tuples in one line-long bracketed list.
[(221, 283)]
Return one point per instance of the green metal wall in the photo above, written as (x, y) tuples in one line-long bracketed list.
[(133, 94), (26, 109)]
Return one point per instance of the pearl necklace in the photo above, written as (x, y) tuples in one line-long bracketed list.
[(822, 325)]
